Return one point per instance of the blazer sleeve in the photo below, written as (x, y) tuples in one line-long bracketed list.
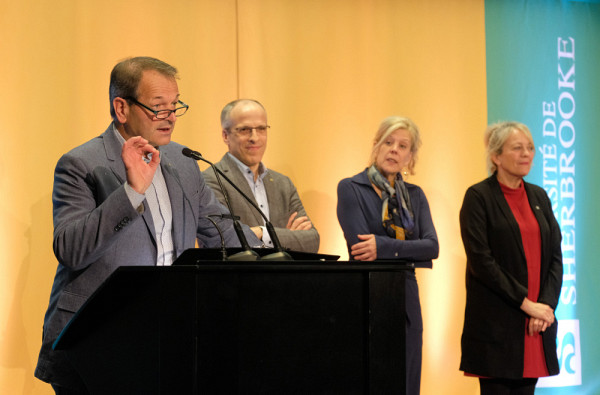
[(551, 280), (481, 261), (350, 213), (85, 226), (298, 240)]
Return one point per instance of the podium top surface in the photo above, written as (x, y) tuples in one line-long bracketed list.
[(208, 256), (205, 258), (216, 254)]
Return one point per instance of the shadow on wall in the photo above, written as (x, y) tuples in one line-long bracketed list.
[(22, 333), (321, 208)]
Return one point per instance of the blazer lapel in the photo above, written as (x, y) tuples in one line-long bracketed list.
[(231, 170), (176, 196), (507, 212), (113, 148), (536, 207), (270, 188)]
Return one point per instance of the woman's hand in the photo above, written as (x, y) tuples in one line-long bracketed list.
[(365, 250), (542, 315), (536, 325)]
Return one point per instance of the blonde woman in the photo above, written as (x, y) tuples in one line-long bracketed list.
[(384, 217), (514, 270)]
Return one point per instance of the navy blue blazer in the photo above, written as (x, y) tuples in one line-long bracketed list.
[(359, 212)]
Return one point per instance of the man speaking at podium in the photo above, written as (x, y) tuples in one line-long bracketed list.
[(244, 130), (126, 197)]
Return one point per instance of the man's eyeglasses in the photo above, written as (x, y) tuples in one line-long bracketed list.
[(246, 131), (162, 114)]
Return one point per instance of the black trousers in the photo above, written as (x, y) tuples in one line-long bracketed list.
[(58, 390), (525, 386)]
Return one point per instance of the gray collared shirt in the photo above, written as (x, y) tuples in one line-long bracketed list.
[(258, 190)]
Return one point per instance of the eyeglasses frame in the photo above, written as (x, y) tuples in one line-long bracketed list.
[(183, 105)]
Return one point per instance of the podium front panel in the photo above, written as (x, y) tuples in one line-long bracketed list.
[(136, 334), (309, 327), (283, 332)]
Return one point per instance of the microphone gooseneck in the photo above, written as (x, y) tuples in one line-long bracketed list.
[(247, 254), (223, 249), (280, 254)]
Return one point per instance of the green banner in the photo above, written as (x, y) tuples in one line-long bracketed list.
[(543, 69)]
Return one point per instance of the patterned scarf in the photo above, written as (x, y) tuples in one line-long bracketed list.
[(396, 214)]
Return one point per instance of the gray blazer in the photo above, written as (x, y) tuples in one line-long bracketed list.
[(283, 201), (96, 230)]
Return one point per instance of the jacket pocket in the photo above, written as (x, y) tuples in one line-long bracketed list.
[(69, 301)]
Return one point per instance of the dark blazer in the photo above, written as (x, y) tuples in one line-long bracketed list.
[(359, 212), (96, 229), (283, 201), (496, 280)]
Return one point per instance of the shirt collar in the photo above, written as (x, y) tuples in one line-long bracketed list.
[(262, 169), (116, 132)]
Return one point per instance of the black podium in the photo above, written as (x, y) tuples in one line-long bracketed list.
[(301, 327)]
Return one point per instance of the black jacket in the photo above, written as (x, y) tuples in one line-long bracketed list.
[(496, 280)]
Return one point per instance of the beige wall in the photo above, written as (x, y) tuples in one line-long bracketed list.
[(327, 71)]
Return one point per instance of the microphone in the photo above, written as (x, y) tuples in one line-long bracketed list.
[(223, 249), (247, 254), (280, 254), (194, 155)]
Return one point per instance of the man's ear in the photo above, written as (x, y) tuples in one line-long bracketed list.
[(121, 108), (225, 136)]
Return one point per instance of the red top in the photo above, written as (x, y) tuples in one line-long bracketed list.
[(535, 361)]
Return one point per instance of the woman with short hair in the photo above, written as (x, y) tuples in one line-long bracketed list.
[(514, 270)]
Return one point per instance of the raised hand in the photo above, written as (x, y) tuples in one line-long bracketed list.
[(140, 173)]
